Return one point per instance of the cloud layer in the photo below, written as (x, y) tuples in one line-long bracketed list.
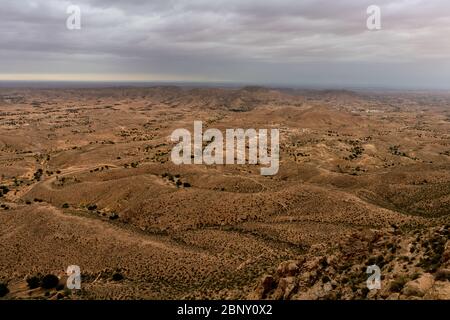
[(293, 42)]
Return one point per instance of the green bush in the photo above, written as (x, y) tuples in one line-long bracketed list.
[(49, 281), (442, 275), (117, 276), (398, 284), (33, 282), (113, 216), (3, 290), (4, 189)]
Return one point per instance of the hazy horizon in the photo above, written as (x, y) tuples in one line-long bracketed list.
[(68, 84)]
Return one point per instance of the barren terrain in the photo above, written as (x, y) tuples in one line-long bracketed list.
[(86, 179)]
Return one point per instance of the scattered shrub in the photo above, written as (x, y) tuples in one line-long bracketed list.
[(4, 190), (117, 276), (38, 174), (442, 275), (416, 275), (365, 291), (49, 281), (33, 282), (113, 216), (3, 290), (398, 284)]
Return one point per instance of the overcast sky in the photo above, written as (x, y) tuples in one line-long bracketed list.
[(291, 42)]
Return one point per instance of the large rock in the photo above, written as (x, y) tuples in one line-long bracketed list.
[(393, 296), (288, 268), (312, 263), (440, 291), (285, 288), (420, 286), (264, 287)]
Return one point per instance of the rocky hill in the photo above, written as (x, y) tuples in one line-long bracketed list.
[(414, 265)]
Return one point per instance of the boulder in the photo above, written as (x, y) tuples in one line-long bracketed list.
[(288, 268), (266, 284), (440, 291), (285, 288), (420, 286)]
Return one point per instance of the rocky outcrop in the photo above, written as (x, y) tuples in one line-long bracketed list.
[(413, 265), (420, 286)]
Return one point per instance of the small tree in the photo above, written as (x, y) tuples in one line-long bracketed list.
[(3, 290), (117, 276), (49, 281), (33, 282)]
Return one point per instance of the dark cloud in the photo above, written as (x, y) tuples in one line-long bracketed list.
[(288, 41)]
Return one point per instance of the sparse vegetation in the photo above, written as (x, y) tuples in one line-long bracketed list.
[(363, 181), (92, 207)]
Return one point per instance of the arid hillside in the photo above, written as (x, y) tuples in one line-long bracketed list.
[(86, 179)]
